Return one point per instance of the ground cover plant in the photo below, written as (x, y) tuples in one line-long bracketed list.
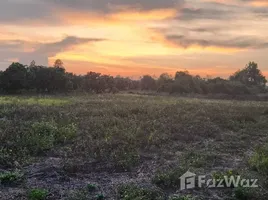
[(128, 146)]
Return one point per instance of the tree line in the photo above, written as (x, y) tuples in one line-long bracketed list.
[(40, 79)]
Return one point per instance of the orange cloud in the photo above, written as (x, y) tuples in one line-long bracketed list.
[(260, 3), (93, 18)]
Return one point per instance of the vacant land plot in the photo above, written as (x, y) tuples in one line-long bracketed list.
[(129, 147)]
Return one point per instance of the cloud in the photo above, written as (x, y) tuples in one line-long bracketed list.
[(205, 13), (105, 6), (228, 43), (257, 3), (51, 11), (25, 51), (51, 49)]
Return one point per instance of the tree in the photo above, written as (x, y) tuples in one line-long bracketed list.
[(14, 78), (32, 64), (250, 76), (148, 83), (58, 63), (164, 82)]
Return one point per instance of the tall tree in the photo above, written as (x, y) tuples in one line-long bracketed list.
[(148, 83), (250, 75), (14, 77), (58, 63)]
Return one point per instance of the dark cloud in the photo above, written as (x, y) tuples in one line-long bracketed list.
[(23, 10), (41, 51), (51, 49), (17, 11), (240, 43), (110, 5), (205, 13)]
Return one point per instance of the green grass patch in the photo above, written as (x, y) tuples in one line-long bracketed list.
[(9, 178), (43, 101), (38, 194), (259, 161)]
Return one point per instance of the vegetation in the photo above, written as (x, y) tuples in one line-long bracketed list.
[(132, 192), (39, 79), (130, 146), (37, 194), (8, 178)]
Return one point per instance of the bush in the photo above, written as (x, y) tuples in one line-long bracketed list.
[(132, 192), (8, 178), (37, 194), (44, 135), (259, 161), (241, 193), (178, 197), (170, 179), (66, 133), (41, 137)]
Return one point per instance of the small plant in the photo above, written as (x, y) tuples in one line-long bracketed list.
[(218, 176), (38, 194), (10, 177), (259, 161), (41, 137), (177, 197), (130, 192), (241, 193), (78, 195), (100, 197), (91, 187), (170, 179), (66, 133)]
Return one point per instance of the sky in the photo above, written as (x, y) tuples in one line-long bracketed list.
[(136, 37)]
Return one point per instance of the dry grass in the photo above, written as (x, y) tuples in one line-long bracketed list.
[(110, 140)]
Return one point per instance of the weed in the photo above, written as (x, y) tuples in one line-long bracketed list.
[(100, 197), (179, 197), (259, 161), (8, 178), (241, 193), (66, 133), (132, 192), (91, 187), (78, 195), (169, 179), (37, 194)]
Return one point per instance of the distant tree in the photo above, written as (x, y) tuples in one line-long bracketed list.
[(14, 77), (32, 64), (148, 83), (250, 76), (164, 82), (58, 63)]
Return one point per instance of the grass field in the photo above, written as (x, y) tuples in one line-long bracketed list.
[(129, 147)]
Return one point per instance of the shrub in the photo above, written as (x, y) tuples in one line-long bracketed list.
[(66, 133), (41, 137), (78, 195), (100, 197), (132, 192), (91, 187), (241, 193), (170, 179), (259, 161), (125, 159), (37, 194), (8, 178), (177, 197)]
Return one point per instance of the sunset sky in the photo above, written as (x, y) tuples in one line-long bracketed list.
[(136, 37)]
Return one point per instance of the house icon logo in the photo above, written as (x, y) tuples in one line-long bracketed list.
[(187, 181)]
